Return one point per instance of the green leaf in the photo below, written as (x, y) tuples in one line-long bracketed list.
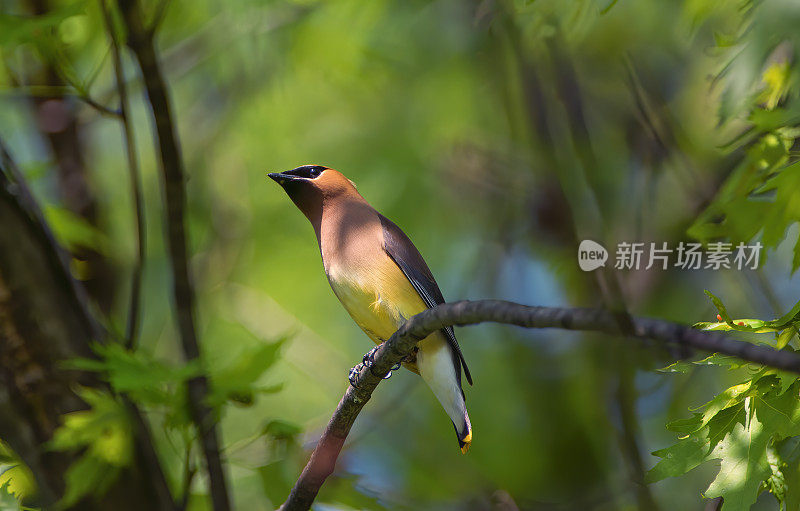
[(681, 366), (731, 396), (756, 326), (238, 380), (87, 476), (716, 359), (104, 429), (275, 481), (785, 379), (282, 430), (783, 338), (7, 455), (723, 312), (18, 481), (723, 360), (743, 465), (696, 441), (785, 209), (21, 29), (791, 317), (104, 434), (776, 482), (139, 374), (789, 454), (73, 231), (744, 452), (682, 457), (739, 427), (779, 411), (685, 426)]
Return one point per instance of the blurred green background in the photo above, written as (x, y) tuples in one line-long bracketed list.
[(497, 135)]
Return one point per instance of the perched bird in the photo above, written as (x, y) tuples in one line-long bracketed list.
[(380, 278)]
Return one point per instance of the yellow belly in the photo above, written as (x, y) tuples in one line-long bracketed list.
[(378, 300)]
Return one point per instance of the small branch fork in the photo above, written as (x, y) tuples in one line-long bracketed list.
[(400, 345)]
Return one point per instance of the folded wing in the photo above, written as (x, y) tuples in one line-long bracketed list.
[(410, 261)]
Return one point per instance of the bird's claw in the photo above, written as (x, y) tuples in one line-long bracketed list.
[(368, 358), (353, 376), (366, 361)]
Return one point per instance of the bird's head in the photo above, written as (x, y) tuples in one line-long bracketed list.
[(311, 186)]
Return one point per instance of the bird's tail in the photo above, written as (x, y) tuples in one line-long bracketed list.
[(465, 435), (437, 366)]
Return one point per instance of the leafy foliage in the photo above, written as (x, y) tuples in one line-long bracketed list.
[(103, 433), (744, 426), (758, 197), (782, 326), (237, 381), (430, 107), (752, 428), (146, 379)]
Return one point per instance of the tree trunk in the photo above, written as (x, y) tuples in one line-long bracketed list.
[(43, 322)]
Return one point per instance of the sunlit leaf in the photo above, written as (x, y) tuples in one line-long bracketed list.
[(784, 337), (17, 480), (137, 373), (103, 436), (238, 380), (19, 29), (74, 231)]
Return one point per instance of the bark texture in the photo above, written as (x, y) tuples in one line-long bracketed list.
[(43, 322)]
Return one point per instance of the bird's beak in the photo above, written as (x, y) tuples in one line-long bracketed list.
[(284, 177)]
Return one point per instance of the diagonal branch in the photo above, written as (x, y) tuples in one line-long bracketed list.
[(140, 41), (323, 459)]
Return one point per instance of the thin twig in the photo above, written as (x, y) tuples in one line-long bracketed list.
[(323, 459), (148, 458), (97, 106), (64, 91), (141, 43), (132, 328), (158, 17), (189, 471)]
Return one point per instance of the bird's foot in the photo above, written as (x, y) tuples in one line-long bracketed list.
[(354, 372), (369, 357), (366, 361)]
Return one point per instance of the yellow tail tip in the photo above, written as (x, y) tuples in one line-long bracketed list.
[(466, 442)]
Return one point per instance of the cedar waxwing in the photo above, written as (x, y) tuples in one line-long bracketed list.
[(380, 278)]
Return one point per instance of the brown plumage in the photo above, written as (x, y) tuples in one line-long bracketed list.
[(379, 277)]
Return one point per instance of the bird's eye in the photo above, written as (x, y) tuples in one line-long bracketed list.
[(307, 171)]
